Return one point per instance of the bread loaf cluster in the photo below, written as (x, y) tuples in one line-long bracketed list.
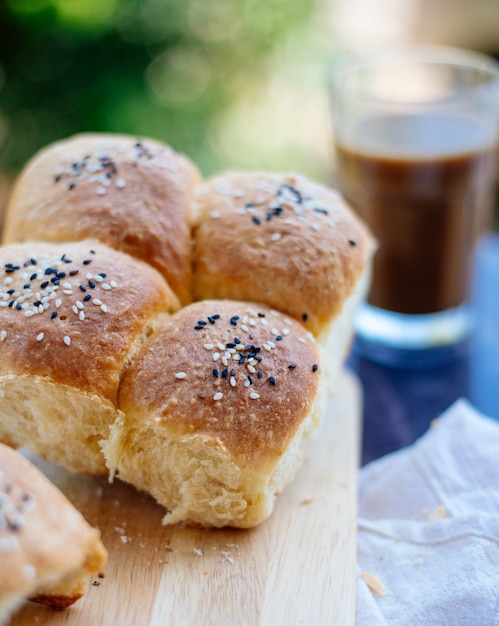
[(176, 332)]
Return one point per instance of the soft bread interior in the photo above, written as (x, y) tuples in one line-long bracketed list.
[(195, 477), (59, 422)]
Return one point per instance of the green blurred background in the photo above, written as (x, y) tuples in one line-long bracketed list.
[(183, 71)]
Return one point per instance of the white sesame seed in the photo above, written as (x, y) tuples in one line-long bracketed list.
[(29, 313), (275, 236), (106, 286), (98, 278), (215, 214), (274, 331), (263, 322), (220, 346), (266, 346), (224, 360), (229, 353), (180, 375), (287, 321), (218, 396), (41, 308), (252, 322), (68, 292), (254, 395), (8, 280), (40, 336), (271, 344), (81, 316), (67, 340), (97, 302), (100, 191), (67, 285), (247, 383), (104, 308), (113, 283), (208, 346), (245, 328), (236, 357), (232, 381), (3, 334), (89, 275), (302, 339), (239, 346), (75, 309), (216, 356), (58, 303), (251, 369), (79, 304), (120, 183)]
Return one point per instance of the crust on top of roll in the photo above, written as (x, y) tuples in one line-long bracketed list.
[(283, 240), (217, 405), (71, 316), (47, 549), (133, 194)]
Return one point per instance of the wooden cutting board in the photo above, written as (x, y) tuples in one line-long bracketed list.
[(298, 567)]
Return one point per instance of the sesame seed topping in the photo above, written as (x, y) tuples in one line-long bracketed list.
[(40, 336), (67, 340), (208, 346), (3, 335), (254, 396), (315, 367), (180, 375), (232, 381), (218, 396), (271, 380)]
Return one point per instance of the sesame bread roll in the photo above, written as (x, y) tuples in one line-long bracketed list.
[(133, 195), (217, 408), (71, 317), (47, 549), (288, 242)]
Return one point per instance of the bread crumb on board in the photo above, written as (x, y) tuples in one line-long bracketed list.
[(439, 513), (375, 585)]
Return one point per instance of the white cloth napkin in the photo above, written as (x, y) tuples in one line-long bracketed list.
[(428, 534)]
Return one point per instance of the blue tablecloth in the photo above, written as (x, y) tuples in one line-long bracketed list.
[(401, 401)]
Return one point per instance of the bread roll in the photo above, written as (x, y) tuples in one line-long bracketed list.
[(133, 195), (216, 409), (71, 316), (288, 242), (47, 549)]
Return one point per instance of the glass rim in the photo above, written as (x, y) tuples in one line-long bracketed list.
[(420, 54)]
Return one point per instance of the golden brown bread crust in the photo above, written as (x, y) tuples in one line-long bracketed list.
[(45, 543), (94, 313), (282, 240), (186, 379), (133, 195)]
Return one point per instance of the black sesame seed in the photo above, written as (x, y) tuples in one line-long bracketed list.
[(256, 220), (26, 286), (249, 205), (225, 373), (323, 211), (11, 291), (352, 242), (242, 359), (9, 270), (237, 340), (250, 380), (63, 274), (304, 317), (57, 178), (87, 298), (74, 272), (55, 280), (278, 338), (216, 316), (233, 372), (230, 345), (259, 373), (292, 366), (71, 186), (33, 261), (233, 320), (92, 251), (87, 261), (102, 275), (18, 307), (198, 327), (53, 314), (261, 314), (11, 304), (257, 358), (202, 322), (32, 277), (91, 284), (211, 320), (68, 261), (215, 373), (315, 367), (37, 303), (44, 284), (82, 288), (48, 271), (271, 380)]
